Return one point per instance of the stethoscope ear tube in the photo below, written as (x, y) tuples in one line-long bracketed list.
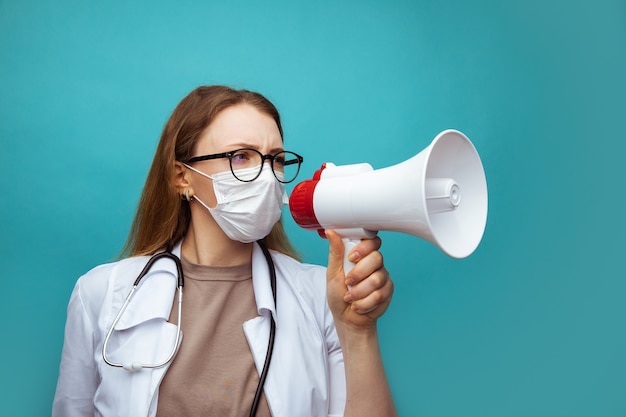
[(156, 257)]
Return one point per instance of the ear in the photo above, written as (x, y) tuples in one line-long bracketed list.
[(181, 179)]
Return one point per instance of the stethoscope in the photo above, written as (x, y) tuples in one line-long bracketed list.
[(136, 366)]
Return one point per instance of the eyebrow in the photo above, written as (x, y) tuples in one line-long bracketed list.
[(240, 145)]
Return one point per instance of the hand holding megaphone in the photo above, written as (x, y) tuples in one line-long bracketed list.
[(439, 195)]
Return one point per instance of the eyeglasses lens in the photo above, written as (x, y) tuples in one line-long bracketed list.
[(243, 162), (287, 164)]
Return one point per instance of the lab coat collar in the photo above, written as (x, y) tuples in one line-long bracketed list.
[(155, 293)]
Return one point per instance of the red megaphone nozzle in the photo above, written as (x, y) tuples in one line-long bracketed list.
[(301, 202)]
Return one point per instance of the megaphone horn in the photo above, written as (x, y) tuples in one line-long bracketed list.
[(439, 195)]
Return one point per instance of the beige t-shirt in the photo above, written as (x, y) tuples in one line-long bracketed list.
[(213, 373)]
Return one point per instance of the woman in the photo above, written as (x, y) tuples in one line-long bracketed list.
[(213, 197)]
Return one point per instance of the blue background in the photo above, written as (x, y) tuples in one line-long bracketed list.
[(532, 324)]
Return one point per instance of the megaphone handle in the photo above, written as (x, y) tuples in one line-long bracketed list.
[(348, 245)]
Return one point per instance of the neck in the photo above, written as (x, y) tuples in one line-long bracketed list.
[(206, 244)]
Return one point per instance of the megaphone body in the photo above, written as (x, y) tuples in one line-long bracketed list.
[(439, 195)]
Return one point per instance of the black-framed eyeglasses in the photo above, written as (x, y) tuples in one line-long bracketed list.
[(285, 165)]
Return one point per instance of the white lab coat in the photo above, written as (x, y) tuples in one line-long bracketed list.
[(306, 376)]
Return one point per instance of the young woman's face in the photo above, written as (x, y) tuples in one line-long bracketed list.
[(236, 127)]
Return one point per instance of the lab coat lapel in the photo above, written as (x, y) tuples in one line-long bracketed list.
[(257, 330), (143, 333), (261, 283), (153, 297)]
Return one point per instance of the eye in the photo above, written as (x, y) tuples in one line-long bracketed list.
[(279, 159), (240, 157), (243, 158)]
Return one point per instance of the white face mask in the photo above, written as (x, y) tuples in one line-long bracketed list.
[(246, 211)]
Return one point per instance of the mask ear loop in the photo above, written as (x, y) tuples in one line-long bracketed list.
[(201, 202), (198, 171), (187, 196)]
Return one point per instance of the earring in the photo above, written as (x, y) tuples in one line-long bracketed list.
[(185, 195)]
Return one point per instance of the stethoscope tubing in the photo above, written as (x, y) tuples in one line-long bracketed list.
[(135, 366)]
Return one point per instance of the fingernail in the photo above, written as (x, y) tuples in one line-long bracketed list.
[(353, 256), (347, 298)]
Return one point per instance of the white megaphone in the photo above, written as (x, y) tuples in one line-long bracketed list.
[(439, 195)]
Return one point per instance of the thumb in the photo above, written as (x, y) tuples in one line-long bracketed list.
[(335, 255)]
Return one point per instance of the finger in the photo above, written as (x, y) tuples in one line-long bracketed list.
[(364, 247), (365, 267), (375, 302), (368, 285)]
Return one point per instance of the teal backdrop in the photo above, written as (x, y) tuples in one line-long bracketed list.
[(532, 324)]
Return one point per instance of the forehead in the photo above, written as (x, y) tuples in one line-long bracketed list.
[(239, 126)]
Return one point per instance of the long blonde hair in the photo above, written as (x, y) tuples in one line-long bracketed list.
[(162, 217)]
